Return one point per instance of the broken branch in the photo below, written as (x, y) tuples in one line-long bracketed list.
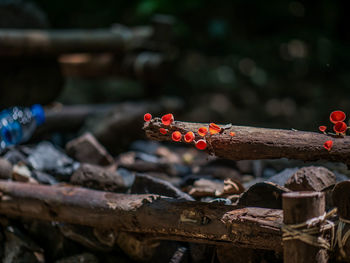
[(250, 143), (159, 216)]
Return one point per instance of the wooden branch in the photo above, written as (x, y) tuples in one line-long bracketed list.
[(146, 66), (250, 143), (22, 42), (160, 216)]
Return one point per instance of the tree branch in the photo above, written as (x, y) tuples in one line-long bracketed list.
[(24, 42), (250, 143), (155, 215)]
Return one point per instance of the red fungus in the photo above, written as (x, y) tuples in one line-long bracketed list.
[(337, 116), (328, 145), (189, 137), (232, 134), (167, 119), (163, 131), (214, 129), (201, 144), (202, 131), (322, 128), (176, 136), (147, 117), (340, 127)]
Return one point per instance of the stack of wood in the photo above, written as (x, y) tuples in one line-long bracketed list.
[(162, 205)]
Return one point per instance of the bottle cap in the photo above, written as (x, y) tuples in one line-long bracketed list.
[(38, 113)]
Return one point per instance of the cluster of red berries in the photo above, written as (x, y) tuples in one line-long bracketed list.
[(340, 127), (189, 137)]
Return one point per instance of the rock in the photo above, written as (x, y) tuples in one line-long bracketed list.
[(83, 258), (206, 187), (311, 178), (224, 201), (245, 166), (264, 194), (87, 149), (282, 177), (5, 169), (232, 187), (340, 177), (46, 158), (180, 255), (220, 172), (44, 178), (143, 162), (96, 177), (14, 156), (20, 248), (145, 184), (21, 173), (149, 147)]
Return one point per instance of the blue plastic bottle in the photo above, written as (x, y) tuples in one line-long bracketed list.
[(17, 124)]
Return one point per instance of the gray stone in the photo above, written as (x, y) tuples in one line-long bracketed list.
[(87, 149)]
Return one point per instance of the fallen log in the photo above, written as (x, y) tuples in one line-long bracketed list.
[(154, 215), (146, 66), (250, 143), (30, 42)]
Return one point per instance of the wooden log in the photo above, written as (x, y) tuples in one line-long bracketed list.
[(298, 207), (30, 42), (154, 215), (250, 143), (151, 67), (69, 118), (311, 178), (341, 199)]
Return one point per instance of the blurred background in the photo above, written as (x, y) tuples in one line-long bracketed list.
[(279, 64)]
